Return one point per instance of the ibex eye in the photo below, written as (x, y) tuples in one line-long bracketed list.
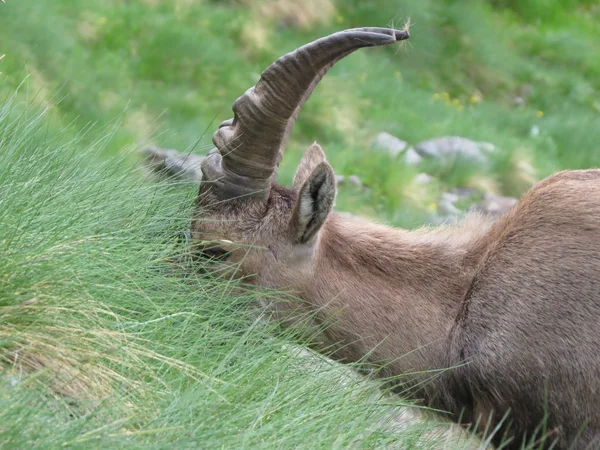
[(214, 252)]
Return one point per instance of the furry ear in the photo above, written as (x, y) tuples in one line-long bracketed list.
[(315, 202), (313, 156)]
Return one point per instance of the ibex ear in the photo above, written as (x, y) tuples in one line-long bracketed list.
[(315, 202), (313, 156)]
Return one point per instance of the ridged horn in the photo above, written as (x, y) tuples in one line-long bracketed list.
[(249, 147)]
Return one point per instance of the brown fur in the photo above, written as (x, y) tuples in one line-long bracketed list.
[(496, 323)]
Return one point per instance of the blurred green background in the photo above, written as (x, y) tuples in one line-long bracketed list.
[(524, 76)]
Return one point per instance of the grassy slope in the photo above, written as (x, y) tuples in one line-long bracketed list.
[(84, 277)]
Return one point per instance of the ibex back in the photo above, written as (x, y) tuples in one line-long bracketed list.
[(496, 323)]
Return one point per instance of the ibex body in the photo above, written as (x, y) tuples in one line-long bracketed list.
[(496, 323)]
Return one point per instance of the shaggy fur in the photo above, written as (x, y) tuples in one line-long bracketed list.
[(498, 324)]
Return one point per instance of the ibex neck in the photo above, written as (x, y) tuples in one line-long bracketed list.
[(392, 294)]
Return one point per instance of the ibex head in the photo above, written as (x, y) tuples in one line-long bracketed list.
[(245, 217)]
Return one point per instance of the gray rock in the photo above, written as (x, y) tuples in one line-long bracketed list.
[(497, 204), (389, 143), (396, 148), (411, 157), (464, 193), (350, 179), (353, 179), (446, 204), (450, 197), (173, 164), (423, 178), (448, 148), (447, 208)]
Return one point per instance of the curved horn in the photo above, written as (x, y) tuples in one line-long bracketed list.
[(249, 146)]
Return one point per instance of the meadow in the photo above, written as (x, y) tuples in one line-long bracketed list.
[(110, 337)]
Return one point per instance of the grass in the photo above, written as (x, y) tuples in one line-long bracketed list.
[(103, 341)]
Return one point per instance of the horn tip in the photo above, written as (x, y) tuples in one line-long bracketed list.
[(401, 35)]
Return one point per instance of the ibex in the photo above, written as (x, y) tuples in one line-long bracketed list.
[(495, 323)]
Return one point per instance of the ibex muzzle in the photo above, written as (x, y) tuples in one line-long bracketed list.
[(496, 323)]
